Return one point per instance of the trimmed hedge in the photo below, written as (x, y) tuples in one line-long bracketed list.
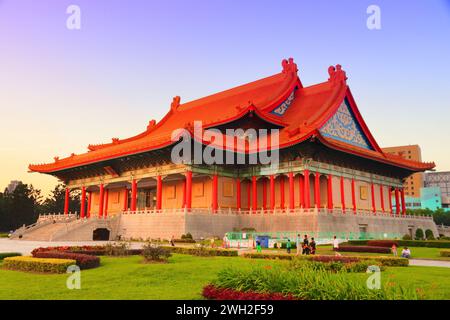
[(385, 261), (4, 255), (84, 261), (382, 243), (364, 249), (408, 243), (212, 292), (202, 251), (445, 253), (32, 264)]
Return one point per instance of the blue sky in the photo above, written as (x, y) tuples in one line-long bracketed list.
[(62, 89)]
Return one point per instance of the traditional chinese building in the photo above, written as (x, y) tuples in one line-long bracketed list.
[(332, 175)]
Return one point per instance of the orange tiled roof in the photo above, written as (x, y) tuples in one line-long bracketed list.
[(306, 114)]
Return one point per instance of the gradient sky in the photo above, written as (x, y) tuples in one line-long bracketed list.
[(62, 89)]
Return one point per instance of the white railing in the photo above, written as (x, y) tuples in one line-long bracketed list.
[(321, 211)]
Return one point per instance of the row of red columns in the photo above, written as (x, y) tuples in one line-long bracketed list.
[(304, 189)]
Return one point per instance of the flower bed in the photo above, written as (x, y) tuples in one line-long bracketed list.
[(364, 249), (445, 253), (84, 261), (4, 255), (385, 261), (202, 251), (90, 250), (382, 243), (32, 264), (407, 243), (213, 293)]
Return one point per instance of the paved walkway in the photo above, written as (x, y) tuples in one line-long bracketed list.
[(429, 263)]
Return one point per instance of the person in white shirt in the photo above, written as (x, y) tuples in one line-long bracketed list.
[(335, 244), (406, 253)]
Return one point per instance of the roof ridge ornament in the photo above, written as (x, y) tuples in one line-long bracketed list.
[(336, 74), (289, 65), (175, 103), (151, 124)]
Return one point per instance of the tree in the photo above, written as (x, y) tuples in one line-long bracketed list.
[(429, 234), (419, 234), (54, 203), (19, 207)]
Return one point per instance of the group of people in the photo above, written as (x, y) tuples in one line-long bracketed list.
[(406, 252), (305, 246)]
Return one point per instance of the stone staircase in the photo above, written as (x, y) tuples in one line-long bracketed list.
[(43, 233), (72, 229)]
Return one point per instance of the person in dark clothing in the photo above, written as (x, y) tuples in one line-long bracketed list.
[(312, 246), (288, 246), (305, 245)]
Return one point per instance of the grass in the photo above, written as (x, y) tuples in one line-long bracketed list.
[(125, 278), (182, 278), (417, 253)]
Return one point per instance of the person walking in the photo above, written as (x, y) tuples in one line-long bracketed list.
[(394, 249), (335, 244), (312, 246), (305, 245), (258, 246), (298, 244), (288, 246)]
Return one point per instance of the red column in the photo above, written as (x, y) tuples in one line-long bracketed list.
[(106, 202), (133, 195), (403, 201), (215, 204), (372, 190), (397, 202), (89, 204), (188, 190), (254, 195), (183, 202), (272, 192), (382, 197), (291, 191), (264, 182), (125, 199), (343, 193), (390, 201), (101, 201), (330, 191), (282, 192), (317, 189), (83, 203), (66, 201), (249, 196), (238, 193), (158, 192), (353, 195), (307, 196), (301, 190)]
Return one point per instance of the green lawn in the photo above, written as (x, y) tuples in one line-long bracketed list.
[(417, 252), (182, 278)]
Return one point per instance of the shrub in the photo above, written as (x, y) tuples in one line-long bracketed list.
[(364, 249), (419, 234), (382, 243), (385, 261), (32, 264), (444, 238), (4, 255), (307, 284), (187, 236), (184, 240), (429, 234), (406, 237), (155, 253), (410, 243), (445, 253), (335, 266), (117, 249), (213, 293), (91, 250), (203, 251), (84, 261)]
